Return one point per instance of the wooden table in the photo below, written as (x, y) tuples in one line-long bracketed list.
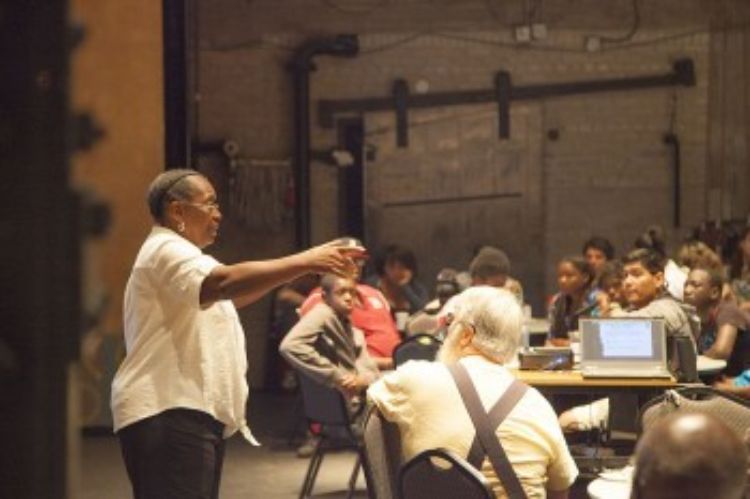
[(628, 394), (574, 382)]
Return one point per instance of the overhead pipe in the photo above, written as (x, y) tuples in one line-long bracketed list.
[(302, 65)]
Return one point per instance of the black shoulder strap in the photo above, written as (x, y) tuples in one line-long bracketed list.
[(486, 432)]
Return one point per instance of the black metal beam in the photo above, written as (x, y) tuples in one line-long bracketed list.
[(673, 141), (451, 200), (301, 65), (682, 74), (176, 120)]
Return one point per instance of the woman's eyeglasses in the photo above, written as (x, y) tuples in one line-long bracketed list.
[(207, 206)]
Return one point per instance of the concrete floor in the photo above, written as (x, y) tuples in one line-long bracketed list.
[(248, 472), (272, 471)]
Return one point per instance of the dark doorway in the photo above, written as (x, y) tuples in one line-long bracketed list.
[(351, 180)]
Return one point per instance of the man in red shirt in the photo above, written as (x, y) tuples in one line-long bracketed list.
[(372, 315)]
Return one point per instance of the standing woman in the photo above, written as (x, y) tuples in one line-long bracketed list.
[(181, 389), (577, 298)]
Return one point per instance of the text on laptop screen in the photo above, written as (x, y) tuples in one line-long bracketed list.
[(626, 339), (623, 339)]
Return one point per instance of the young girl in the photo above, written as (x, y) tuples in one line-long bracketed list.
[(396, 269), (611, 299), (577, 298)]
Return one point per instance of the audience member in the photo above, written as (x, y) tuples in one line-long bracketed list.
[(612, 298), (577, 298), (690, 456), (739, 385), (396, 269), (674, 276), (371, 314), (597, 251), (644, 289), (424, 401), (284, 316), (643, 286), (740, 270), (696, 254), (490, 267), (324, 345), (426, 320), (725, 329)]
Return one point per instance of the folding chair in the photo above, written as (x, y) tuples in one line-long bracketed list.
[(382, 442), (326, 405), (441, 474), (421, 346), (730, 409)]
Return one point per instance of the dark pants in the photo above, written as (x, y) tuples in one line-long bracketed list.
[(177, 454)]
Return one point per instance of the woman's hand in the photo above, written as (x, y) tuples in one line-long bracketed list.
[(333, 257)]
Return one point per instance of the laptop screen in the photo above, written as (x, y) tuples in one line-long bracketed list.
[(637, 340)]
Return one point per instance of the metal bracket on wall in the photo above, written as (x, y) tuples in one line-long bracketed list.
[(682, 74)]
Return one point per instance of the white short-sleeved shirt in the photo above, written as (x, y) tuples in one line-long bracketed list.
[(179, 355), (423, 400), (675, 278)]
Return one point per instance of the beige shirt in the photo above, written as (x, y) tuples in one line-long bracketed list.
[(178, 355), (327, 347), (423, 400)]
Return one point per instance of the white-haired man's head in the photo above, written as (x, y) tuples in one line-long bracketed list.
[(486, 321)]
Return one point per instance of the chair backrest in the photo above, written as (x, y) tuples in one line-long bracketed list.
[(382, 442), (418, 347), (438, 474), (732, 410), (323, 404)]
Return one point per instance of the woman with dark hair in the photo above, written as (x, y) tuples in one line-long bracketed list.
[(182, 387), (577, 298), (597, 251), (396, 269)]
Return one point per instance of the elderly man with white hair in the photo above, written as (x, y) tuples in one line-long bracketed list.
[(430, 402)]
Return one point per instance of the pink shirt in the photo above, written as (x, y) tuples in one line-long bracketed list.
[(371, 314)]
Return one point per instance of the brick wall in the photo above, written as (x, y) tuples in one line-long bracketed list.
[(608, 171)]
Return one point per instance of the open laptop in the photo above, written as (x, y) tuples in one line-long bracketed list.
[(623, 348)]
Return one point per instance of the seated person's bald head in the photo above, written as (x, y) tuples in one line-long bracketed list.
[(689, 456)]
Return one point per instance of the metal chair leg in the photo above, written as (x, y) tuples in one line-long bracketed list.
[(312, 472), (355, 474), (367, 472)]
